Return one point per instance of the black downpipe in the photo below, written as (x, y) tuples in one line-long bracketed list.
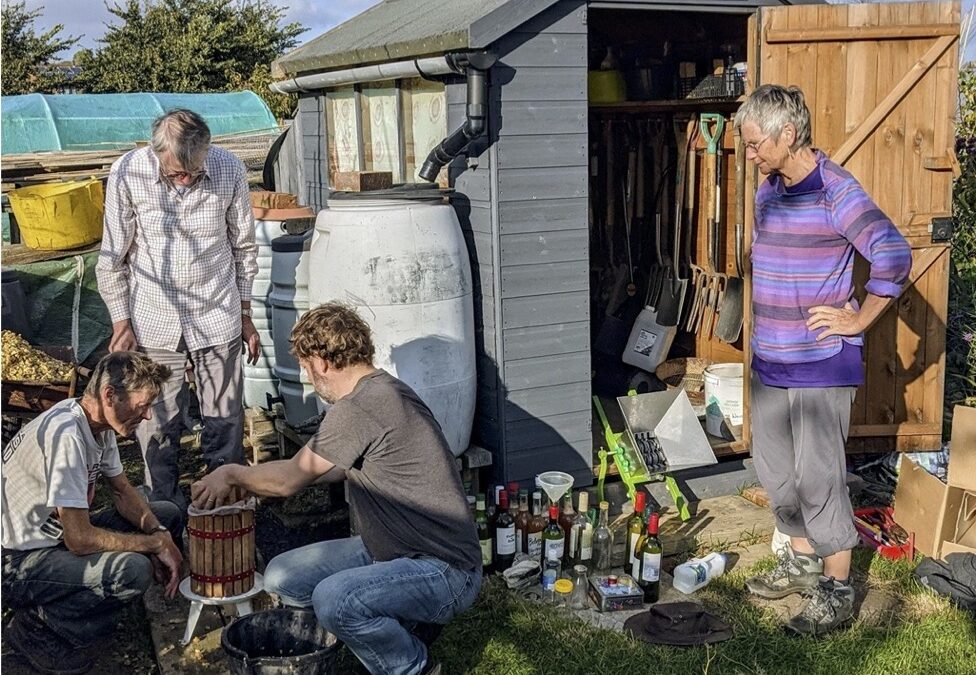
[(475, 67)]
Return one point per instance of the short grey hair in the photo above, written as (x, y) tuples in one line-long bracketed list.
[(127, 372), (771, 107), (183, 134)]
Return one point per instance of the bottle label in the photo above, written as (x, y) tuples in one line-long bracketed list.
[(549, 579), (634, 555), (701, 573), (651, 567), (574, 538), (486, 552), (506, 540), (535, 544), (586, 543), (554, 549)]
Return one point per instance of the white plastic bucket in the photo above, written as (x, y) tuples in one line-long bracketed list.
[(723, 398)]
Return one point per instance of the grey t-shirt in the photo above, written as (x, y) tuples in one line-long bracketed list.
[(404, 488)]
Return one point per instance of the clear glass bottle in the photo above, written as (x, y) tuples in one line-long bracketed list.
[(603, 542), (579, 598), (581, 536), (533, 537)]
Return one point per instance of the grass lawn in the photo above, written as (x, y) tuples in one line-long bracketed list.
[(918, 633)]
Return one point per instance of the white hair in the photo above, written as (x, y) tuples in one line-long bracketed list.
[(182, 134), (771, 107)]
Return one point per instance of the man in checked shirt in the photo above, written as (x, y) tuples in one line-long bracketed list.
[(175, 270)]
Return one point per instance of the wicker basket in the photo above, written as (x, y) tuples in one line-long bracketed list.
[(688, 373)]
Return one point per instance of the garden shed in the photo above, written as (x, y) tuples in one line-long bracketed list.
[(543, 196)]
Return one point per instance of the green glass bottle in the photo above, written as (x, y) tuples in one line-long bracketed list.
[(650, 561), (635, 528), (484, 535)]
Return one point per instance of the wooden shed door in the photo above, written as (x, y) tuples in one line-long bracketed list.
[(880, 80)]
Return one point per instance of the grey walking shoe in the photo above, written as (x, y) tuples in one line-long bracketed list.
[(794, 573), (831, 605)]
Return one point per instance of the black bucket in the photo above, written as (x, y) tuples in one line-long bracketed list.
[(279, 641)]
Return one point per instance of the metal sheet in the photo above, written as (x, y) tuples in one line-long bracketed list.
[(668, 417)]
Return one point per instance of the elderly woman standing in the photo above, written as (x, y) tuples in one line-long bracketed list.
[(811, 217)]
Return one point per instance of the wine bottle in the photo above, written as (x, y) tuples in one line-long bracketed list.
[(566, 519), (504, 536), (484, 535), (553, 537), (522, 519), (491, 506), (537, 524), (603, 541), (581, 536), (635, 528), (650, 567)]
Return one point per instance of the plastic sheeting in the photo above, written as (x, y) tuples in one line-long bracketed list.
[(56, 300), (45, 122)]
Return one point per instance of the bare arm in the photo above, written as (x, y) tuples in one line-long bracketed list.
[(271, 479), (845, 320), (131, 505)]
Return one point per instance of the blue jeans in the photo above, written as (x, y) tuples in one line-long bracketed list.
[(369, 605), (77, 596)]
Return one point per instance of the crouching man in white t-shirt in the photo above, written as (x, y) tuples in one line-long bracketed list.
[(67, 570)]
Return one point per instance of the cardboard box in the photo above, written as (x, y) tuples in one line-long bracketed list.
[(362, 181), (943, 517)]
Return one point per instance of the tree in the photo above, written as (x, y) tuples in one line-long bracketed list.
[(27, 56), (190, 46)]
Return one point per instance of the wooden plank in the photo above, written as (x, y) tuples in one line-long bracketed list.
[(535, 118), (557, 182), (551, 339), (850, 34), (539, 278), (900, 429), (545, 247), (881, 444), (829, 104), (937, 299), (536, 432), (540, 310), (896, 92), (546, 371), (546, 401), (532, 83), (775, 61), (542, 215), (521, 152), (521, 49), (575, 458)]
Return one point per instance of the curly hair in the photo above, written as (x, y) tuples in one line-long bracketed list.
[(335, 333), (127, 372)]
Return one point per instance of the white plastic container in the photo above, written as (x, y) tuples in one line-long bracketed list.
[(649, 343), (723, 398), (259, 379), (697, 572), (403, 264)]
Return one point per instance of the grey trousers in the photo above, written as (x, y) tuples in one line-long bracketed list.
[(219, 377), (77, 596), (798, 441)]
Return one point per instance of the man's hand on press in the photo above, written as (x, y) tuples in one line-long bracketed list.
[(167, 562), (123, 337), (251, 339), (211, 491)]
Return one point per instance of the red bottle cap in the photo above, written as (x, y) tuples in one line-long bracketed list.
[(513, 486), (553, 511), (639, 501), (652, 523), (503, 500)]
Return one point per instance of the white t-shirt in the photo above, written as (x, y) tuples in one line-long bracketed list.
[(54, 461)]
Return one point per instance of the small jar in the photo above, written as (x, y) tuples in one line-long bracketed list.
[(579, 599), (564, 589)]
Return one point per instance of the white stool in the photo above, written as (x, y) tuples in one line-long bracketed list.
[(241, 602)]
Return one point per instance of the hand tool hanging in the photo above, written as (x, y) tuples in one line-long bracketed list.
[(715, 284), (692, 273), (730, 314), (671, 300)]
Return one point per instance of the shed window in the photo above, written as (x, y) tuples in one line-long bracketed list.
[(386, 126)]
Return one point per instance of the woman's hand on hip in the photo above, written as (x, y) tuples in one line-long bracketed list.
[(837, 321)]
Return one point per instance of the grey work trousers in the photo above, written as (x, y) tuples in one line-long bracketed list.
[(798, 445), (219, 377), (77, 596)]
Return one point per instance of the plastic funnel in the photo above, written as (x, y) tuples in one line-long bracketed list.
[(555, 484)]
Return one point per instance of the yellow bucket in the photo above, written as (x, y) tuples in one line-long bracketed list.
[(606, 86), (59, 216)]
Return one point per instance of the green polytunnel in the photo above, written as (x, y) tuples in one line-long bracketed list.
[(54, 122)]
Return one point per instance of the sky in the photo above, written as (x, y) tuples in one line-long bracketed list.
[(88, 18)]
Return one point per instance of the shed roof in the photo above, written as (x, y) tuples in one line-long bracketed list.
[(396, 30)]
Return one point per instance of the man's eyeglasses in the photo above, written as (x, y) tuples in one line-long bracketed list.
[(183, 175), (754, 146)]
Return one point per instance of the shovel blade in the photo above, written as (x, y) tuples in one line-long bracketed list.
[(729, 325)]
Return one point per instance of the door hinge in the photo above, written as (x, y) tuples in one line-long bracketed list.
[(942, 230), (583, 16)]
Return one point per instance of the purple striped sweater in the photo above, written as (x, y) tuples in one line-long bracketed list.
[(803, 256)]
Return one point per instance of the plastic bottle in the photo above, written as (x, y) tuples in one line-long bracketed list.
[(697, 572)]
